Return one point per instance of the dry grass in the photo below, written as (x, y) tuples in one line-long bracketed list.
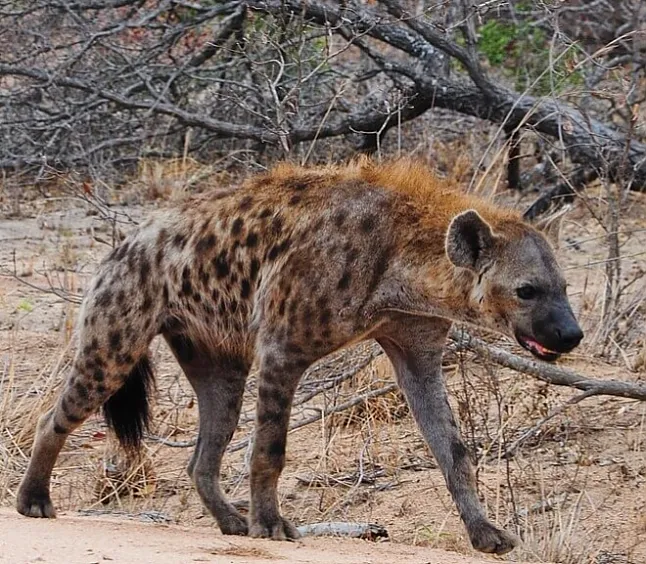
[(21, 404)]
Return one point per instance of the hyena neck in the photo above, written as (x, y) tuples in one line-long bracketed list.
[(429, 284)]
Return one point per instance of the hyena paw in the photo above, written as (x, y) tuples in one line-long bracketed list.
[(280, 529), (233, 524), (485, 537), (35, 504)]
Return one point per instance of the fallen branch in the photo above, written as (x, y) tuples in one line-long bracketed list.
[(367, 531), (550, 373), (564, 192)]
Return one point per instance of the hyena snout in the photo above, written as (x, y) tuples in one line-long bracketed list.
[(555, 333), (559, 332), (568, 337)]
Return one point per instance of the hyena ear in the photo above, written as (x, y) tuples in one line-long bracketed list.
[(550, 225), (469, 240)]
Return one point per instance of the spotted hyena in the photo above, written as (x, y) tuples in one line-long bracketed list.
[(292, 265)]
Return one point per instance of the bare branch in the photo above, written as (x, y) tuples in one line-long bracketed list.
[(549, 373)]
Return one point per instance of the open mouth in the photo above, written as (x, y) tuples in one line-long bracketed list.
[(538, 350)]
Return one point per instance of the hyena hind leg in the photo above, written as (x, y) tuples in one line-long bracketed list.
[(218, 381), (83, 393), (75, 404)]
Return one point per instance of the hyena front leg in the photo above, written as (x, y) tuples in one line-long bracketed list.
[(277, 381), (218, 380), (415, 349)]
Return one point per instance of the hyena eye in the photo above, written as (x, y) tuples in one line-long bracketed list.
[(526, 292)]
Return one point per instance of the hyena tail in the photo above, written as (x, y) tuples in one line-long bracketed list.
[(127, 412)]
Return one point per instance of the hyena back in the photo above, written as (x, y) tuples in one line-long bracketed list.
[(294, 264)]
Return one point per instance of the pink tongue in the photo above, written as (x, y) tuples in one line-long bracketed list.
[(541, 349)]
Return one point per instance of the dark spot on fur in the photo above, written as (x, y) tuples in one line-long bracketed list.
[(144, 268), (205, 244), (324, 316), (92, 346), (344, 282), (98, 283), (269, 417), (276, 449), (68, 412), (81, 391), (245, 289), (162, 236), (237, 225), (147, 303), (253, 269), (274, 395), (59, 429), (99, 375), (277, 225), (368, 223), (245, 203), (221, 265), (458, 452), (295, 200), (380, 267), (233, 306), (187, 287), (124, 359), (215, 294), (179, 240), (104, 298), (264, 214), (281, 307), (115, 340), (166, 295), (339, 218), (252, 240), (100, 389), (279, 249)]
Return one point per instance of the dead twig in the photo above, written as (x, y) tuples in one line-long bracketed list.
[(367, 531)]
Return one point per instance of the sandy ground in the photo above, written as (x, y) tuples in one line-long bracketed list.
[(71, 539)]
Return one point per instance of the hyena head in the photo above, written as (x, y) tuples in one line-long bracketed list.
[(517, 285)]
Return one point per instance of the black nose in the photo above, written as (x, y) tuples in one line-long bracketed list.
[(570, 337)]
